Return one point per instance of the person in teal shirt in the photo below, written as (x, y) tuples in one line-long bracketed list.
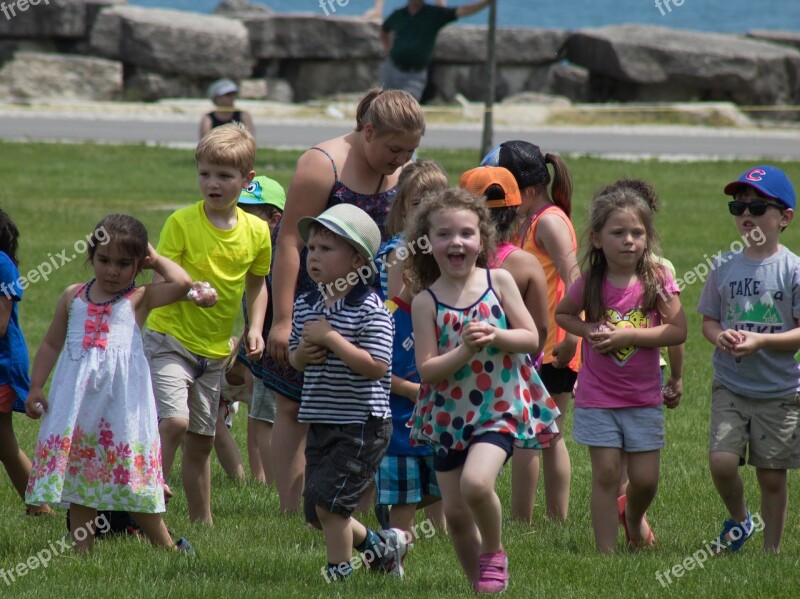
[(409, 37)]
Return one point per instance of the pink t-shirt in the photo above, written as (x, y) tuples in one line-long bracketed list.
[(631, 376)]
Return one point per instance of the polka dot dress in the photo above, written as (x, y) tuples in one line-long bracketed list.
[(494, 392)]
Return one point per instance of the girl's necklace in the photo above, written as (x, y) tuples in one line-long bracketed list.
[(114, 299)]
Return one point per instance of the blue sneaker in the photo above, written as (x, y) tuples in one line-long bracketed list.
[(733, 535)]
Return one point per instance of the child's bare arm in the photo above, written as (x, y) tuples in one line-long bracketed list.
[(47, 354), (256, 292), (750, 342), (407, 389), (432, 367), (568, 318), (171, 285), (521, 335)]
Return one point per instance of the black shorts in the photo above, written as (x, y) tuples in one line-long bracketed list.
[(455, 459), (557, 380), (341, 461)]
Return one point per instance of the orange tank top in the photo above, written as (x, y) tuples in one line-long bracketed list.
[(555, 285)]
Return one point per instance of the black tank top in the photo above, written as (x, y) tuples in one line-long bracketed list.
[(215, 122)]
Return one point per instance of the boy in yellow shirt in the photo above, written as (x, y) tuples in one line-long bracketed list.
[(187, 342)]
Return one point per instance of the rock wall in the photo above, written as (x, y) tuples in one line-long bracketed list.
[(102, 49)]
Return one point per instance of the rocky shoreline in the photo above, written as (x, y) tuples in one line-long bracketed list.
[(107, 50)]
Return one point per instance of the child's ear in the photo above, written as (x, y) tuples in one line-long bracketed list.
[(273, 220), (786, 217), (595, 239), (248, 178)]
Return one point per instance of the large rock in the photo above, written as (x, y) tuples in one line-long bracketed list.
[(171, 41), (241, 8), (298, 36), (785, 38), (512, 46), (60, 77), (631, 62), (311, 79), (471, 80), (42, 18)]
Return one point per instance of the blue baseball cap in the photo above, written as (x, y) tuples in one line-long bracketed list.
[(769, 181)]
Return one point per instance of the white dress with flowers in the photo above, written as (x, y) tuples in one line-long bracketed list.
[(98, 445)]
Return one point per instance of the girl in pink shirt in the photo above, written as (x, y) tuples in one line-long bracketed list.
[(631, 309)]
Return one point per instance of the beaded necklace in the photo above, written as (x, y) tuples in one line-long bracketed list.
[(114, 299)]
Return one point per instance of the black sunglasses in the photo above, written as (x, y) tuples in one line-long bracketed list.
[(737, 208)]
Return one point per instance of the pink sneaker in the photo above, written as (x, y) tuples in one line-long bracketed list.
[(493, 576)]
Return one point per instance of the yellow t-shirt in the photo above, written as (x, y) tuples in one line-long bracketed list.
[(222, 258)]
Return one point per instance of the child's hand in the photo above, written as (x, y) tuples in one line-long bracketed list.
[(748, 343), (672, 392), (254, 345), (476, 335), (151, 258), (564, 352), (36, 403), (308, 353), (728, 340), (202, 294), (315, 331), (607, 338)]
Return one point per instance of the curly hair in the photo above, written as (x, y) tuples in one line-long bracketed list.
[(421, 269), (416, 179)]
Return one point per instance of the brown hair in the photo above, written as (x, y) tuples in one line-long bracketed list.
[(390, 112), (421, 269), (594, 264), (228, 145), (640, 187), (416, 179), (561, 190), (125, 232)]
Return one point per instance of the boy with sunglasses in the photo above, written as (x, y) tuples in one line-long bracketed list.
[(751, 313)]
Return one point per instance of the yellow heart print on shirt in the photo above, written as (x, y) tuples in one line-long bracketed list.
[(632, 319)]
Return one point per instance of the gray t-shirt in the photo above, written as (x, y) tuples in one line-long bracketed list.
[(762, 296)]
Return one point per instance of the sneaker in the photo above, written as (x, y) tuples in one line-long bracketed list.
[(736, 532), (393, 549), (493, 577), (185, 546)]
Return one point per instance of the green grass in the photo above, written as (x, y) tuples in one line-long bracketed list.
[(56, 194)]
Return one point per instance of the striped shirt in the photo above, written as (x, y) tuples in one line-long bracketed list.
[(332, 392)]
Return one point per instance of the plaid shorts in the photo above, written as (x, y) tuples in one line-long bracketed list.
[(405, 480)]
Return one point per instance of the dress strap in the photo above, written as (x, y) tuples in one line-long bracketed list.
[(433, 295), (79, 291), (489, 278), (335, 172)]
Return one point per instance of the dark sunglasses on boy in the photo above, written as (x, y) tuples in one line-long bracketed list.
[(737, 207)]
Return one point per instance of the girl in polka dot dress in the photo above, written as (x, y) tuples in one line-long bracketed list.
[(480, 394)]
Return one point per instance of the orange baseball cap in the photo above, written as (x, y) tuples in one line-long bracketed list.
[(478, 180)]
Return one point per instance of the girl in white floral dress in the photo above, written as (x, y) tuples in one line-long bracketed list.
[(98, 447)]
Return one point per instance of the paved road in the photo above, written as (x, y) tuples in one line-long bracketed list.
[(677, 143)]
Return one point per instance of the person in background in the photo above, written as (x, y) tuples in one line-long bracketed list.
[(223, 93), (409, 37)]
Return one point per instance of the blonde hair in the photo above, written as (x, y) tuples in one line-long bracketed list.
[(416, 179), (594, 263), (228, 145), (390, 112), (421, 269)]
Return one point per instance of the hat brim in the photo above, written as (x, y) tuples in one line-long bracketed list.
[(252, 202), (304, 227), (730, 189)]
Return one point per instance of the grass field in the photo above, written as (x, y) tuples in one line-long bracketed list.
[(56, 194)]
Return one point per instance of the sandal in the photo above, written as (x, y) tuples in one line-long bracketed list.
[(39, 510), (622, 502), (493, 577), (744, 530)]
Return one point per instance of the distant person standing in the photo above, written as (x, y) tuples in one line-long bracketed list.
[(409, 37), (223, 93)]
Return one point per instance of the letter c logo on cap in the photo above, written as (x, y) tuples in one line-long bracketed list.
[(753, 175)]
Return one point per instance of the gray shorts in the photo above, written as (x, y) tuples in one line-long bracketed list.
[(186, 386), (632, 430), (769, 427), (413, 82), (262, 406)]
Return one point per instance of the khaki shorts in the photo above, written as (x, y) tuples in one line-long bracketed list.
[(186, 385), (770, 427)]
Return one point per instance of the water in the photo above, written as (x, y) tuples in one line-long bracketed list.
[(733, 16)]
